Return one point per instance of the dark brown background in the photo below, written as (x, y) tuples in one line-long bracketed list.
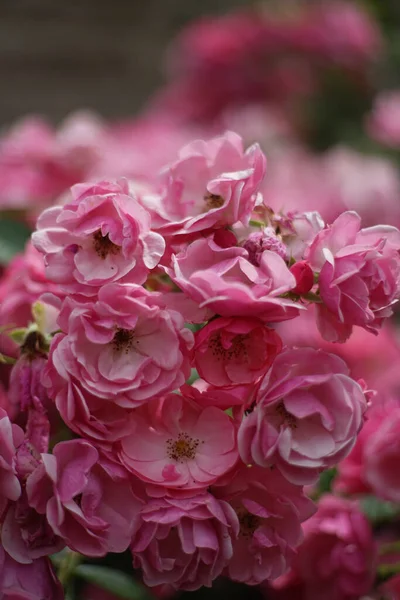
[(60, 55)]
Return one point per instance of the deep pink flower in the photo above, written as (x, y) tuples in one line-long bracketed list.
[(354, 471), (101, 235), (97, 419), (270, 510), (304, 277), (26, 535), (258, 241), (88, 501), (359, 273), (35, 581), (381, 452), (11, 437), (125, 348), (337, 559), (177, 444), (307, 416), (227, 283), (22, 284), (212, 184), (185, 542), (231, 351)]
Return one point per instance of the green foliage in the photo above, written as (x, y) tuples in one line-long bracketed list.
[(379, 511), (13, 237), (114, 581)]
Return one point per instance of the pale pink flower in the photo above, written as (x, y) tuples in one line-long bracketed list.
[(212, 184), (270, 511), (359, 273), (338, 557), (35, 581), (11, 437), (184, 542), (126, 347), (100, 235), (307, 415), (383, 124), (234, 351), (87, 500), (178, 444), (227, 283)]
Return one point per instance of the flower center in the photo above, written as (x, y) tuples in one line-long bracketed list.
[(288, 418), (248, 522), (213, 201), (123, 340), (104, 246), (236, 349), (182, 449)]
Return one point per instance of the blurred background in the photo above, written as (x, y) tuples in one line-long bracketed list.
[(56, 57)]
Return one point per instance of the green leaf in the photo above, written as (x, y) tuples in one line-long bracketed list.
[(325, 481), (193, 377), (116, 582), (379, 511), (13, 237)]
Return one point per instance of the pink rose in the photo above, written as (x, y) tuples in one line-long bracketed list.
[(35, 581), (227, 283), (101, 235), (87, 500), (184, 542), (337, 559), (270, 510), (177, 444), (212, 184), (116, 347), (359, 273), (307, 415), (230, 352)]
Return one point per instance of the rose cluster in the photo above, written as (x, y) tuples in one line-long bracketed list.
[(190, 427)]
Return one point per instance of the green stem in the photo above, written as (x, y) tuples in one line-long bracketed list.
[(389, 548), (67, 566)]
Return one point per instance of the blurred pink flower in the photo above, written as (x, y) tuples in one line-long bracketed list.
[(383, 124), (338, 557)]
